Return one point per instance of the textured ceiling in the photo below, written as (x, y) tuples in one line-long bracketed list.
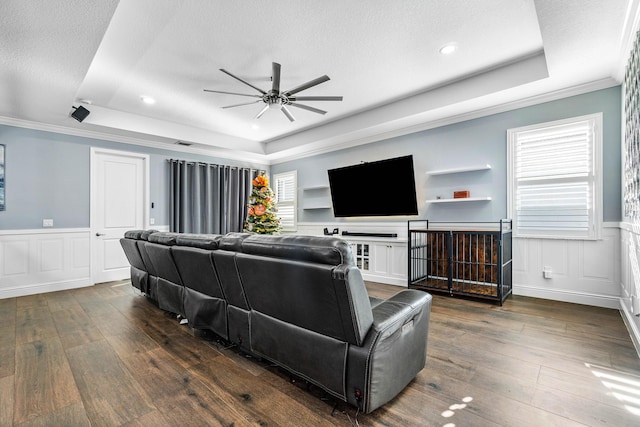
[(381, 56)]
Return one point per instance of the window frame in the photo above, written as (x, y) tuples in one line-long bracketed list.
[(595, 179), (293, 203)]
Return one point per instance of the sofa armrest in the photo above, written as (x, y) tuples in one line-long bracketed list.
[(393, 313), (399, 351)]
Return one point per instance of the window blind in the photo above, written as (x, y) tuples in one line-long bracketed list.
[(286, 189), (553, 177)]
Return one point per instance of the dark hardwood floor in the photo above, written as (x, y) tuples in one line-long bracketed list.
[(106, 356)]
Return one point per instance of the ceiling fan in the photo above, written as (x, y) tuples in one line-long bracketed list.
[(277, 99)]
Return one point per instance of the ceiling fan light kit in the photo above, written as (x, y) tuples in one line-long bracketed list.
[(280, 100)]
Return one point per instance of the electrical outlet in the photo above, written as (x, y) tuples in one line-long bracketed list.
[(546, 272), (152, 221), (47, 223)]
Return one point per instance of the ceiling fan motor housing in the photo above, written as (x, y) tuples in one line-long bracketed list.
[(275, 100)]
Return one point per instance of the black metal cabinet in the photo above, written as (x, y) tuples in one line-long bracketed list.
[(461, 261)]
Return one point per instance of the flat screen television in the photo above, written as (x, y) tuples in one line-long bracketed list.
[(382, 188)]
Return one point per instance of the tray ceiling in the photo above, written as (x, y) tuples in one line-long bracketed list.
[(382, 57)]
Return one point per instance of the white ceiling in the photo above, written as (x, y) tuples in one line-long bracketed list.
[(382, 57)]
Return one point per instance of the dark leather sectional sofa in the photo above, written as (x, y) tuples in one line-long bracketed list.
[(298, 301)]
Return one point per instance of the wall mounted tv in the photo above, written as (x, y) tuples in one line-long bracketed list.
[(382, 188)]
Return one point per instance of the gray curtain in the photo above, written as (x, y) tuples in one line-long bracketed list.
[(208, 198)]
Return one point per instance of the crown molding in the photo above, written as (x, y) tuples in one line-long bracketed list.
[(332, 145), (85, 133)]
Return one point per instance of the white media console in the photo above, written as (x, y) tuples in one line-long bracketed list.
[(379, 249)]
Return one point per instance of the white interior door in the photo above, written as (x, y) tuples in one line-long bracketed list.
[(119, 197)]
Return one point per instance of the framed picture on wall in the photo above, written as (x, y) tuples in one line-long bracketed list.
[(2, 177)]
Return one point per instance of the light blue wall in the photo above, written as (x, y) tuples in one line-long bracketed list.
[(47, 176), (471, 142)]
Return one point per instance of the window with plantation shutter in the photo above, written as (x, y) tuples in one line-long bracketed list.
[(286, 189), (555, 182)]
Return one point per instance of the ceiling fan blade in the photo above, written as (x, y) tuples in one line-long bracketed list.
[(287, 113), (275, 77), (307, 85), (240, 80), (232, 93), (315, 98), (244, 103), (266, 107), (306, 107)]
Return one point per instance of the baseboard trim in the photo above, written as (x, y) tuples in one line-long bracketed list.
[(597, 300), (40, 288), (628, 319)]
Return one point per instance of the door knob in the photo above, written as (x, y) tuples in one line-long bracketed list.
[(100, 234)]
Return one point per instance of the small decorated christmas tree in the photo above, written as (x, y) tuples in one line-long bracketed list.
[(261, 218)]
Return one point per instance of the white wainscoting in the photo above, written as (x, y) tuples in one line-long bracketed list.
[(603, 273), (582, 271), (36, 261), (630, 279)]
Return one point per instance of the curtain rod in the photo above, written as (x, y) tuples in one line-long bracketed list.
[(186, 162)]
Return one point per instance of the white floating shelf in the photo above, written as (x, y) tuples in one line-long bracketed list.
[(465, 199), (459, 170), (317, 187), (316, 207), (316, 197)]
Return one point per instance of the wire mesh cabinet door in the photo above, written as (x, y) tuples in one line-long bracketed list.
[(430, 259)]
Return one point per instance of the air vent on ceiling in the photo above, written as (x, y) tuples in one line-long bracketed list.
[(186, 144)]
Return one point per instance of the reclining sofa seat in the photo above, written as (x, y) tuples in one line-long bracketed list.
[(170, 290), (152, 288), (309, 312), (204, 302), (139, 272), (143, 276), (224, 260)]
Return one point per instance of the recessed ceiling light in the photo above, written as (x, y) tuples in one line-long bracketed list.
[(85, 101), (147, 100), (448, 48), (255, 127)]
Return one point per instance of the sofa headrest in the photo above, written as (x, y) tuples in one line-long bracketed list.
[(133, 234), (318, 249), (232, 241), (168, 239), (146, 233), (201, 241)]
